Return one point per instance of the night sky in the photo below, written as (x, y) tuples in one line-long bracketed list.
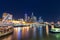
[(49, 10)]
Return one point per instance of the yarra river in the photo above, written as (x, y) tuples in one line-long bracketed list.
[(27, 33)]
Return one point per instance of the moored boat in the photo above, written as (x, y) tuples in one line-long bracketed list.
[(5, 30), (55, 30)]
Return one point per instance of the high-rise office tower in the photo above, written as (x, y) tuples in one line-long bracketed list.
[(40, 20), (32, 15), (33, 18), (26, 17)]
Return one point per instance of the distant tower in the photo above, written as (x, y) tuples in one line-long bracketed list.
[(32, 15), (40, 20), (26, 17), (33, 18)]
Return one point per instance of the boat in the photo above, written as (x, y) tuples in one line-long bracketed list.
[(55, 30), (5, 31)]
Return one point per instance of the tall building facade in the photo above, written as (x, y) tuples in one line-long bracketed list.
[(33, 18), (40, 20), (6, 17), (26, 17)]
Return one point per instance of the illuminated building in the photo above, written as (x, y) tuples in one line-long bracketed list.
[(7, 14), (32, 15), (33, 18), (6, 17), (26, 17), (10, 17), (40, 20)]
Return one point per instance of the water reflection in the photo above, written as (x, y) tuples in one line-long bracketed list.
[(25, 32), (47, 30), (19, 33), (34, 33), (31, 33), (40, 31), (15, 34)]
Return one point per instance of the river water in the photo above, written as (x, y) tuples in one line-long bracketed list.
[(34, 33)]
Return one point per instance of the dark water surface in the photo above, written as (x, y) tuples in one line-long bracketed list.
[(35, 33)]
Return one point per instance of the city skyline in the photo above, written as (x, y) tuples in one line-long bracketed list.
[(48, 9), (28, 17)]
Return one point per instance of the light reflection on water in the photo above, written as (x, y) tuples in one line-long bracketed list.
[(27, 33)]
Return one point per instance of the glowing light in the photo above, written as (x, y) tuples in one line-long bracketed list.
[(56, 30), (16, 21), (19, 28), (23, 22)]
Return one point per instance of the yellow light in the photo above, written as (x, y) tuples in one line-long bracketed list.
[(15, 21), (23, 22)]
